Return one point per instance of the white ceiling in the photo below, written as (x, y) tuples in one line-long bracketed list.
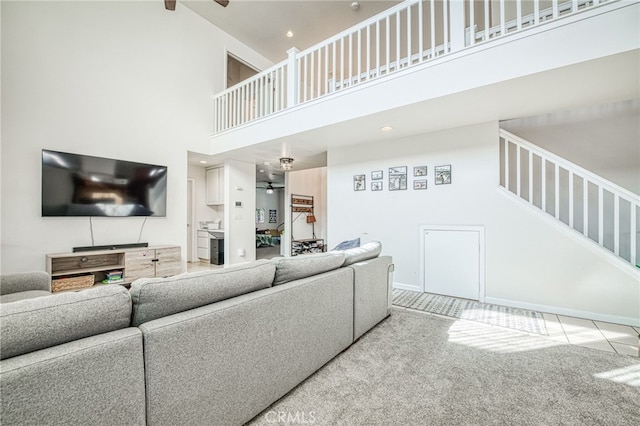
[(262, 25)]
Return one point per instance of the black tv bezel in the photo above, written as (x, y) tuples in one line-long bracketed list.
[(42, 165)]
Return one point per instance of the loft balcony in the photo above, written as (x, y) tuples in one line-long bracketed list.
[(412, 36)]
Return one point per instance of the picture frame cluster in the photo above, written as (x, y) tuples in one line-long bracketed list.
[(397, 178)]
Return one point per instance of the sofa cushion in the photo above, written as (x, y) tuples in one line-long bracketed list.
[(302, 266), (42, 322), (367, 251), (158, 297)]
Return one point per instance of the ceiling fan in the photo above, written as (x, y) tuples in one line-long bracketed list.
[(270, 187), (171, 4)]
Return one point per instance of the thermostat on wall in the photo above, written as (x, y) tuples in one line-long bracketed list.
[(238, 203)]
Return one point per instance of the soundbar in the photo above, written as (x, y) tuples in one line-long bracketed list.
[(111, 247)]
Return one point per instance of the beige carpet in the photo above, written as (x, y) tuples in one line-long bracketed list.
[(418, 369)]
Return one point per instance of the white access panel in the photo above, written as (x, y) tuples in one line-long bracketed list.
[(453, 262)]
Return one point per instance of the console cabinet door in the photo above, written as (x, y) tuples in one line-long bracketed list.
[(139, 264), (168, 261)]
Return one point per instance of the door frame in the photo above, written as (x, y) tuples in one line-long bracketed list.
[(192, 246), (481, 252)]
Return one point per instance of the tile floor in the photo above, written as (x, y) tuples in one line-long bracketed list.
[(604, 336)]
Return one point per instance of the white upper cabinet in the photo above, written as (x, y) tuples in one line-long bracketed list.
[(215, 186)]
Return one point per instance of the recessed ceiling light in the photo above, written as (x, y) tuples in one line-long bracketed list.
[(386, 128), (289, 34), (203, 162)]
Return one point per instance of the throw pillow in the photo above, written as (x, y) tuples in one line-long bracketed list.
[(365, 252), (349, 244)]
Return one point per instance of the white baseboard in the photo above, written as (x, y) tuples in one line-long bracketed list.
[(408, 287), (565, 311)]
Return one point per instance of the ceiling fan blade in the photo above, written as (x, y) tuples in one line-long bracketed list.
[(222, 3), (170, 4)]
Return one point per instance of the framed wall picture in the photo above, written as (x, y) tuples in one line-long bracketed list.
[(420, 184), (397, 178), (376, 186), (420, 171), (376, 175), (443, 174), (273, 216), (359, 183)]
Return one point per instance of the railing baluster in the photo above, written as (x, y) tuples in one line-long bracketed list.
[(503, 25), (544, 183), (570, 198), (600, 215), (388, 45), (359, 56), (472, 29), (368, 51), (616, 224), (518, 172), (334, 68), (556, 11), (633, 256), (341, 63), (519, 14), (530, 177), (574, 6), (312, 80), (557, 190), (585, 206), (433, 28), (506, 164), (445, 17), (487, 25), (326, 70), (377, 48), (350, 59), (420, 32), (398, 40), (409, 61)]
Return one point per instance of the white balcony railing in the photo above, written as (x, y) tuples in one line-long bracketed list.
[(406, 35), (598, 209)]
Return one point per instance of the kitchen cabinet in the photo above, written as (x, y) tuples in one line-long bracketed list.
[(203, 244), (215, 186)]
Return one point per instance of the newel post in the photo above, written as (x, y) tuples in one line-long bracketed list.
[(292, 77), (457, 25)]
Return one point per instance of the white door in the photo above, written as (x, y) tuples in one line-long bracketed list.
[(452, 262)]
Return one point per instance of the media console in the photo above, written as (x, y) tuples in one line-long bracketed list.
[(72, 271)]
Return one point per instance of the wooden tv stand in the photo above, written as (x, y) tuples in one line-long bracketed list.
[(134, 263)]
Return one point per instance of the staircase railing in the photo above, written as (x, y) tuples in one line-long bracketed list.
[(406, 35), (595, 207)]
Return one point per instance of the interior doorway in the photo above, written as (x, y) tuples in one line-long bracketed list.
[(453, 261), (238, 70)]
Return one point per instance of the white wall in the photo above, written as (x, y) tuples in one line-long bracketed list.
[(530, 262), (312, 182), (126, 80), (240, 228)]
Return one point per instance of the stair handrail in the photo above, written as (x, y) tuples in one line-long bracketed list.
[(572, 167)]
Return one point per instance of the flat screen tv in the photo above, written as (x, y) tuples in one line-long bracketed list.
[(82, 185)]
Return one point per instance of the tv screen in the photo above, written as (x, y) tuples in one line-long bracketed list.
[(82, 185)]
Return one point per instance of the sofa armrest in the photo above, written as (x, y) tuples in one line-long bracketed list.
[(371, 293), (25, 281)]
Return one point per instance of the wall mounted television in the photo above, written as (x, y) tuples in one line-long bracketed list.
[(82, 185)]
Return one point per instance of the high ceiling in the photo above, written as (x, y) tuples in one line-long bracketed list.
[(262, 25)]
